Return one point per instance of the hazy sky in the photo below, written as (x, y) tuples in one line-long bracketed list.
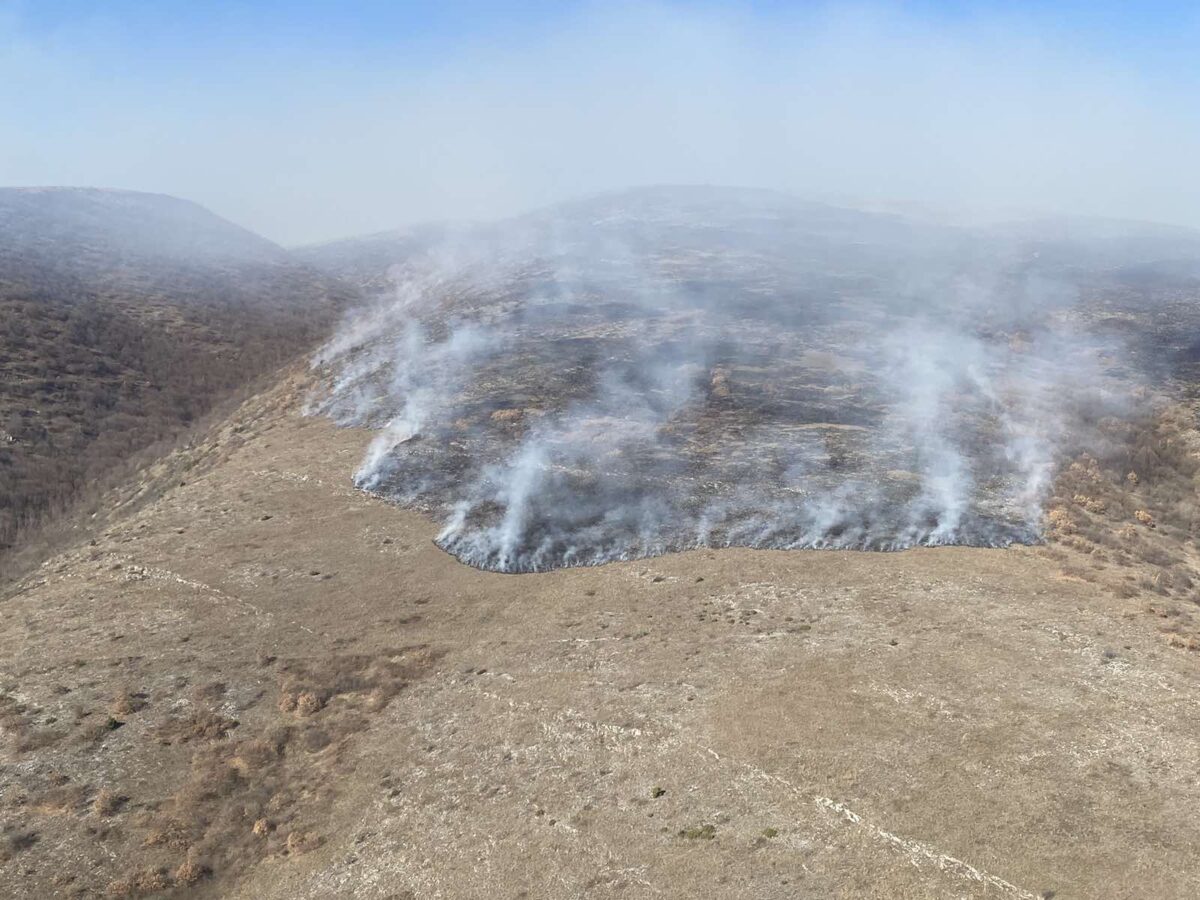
[(313, 120)]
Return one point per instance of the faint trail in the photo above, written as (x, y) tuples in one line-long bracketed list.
[(137, 572), (152, 573), (916, 851)]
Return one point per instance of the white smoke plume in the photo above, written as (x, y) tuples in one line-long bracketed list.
[(672, 369)]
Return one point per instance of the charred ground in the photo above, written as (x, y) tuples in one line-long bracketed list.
[(695, 367)]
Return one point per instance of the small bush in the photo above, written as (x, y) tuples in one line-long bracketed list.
[(308, 704), (106, 803), (190, 871)]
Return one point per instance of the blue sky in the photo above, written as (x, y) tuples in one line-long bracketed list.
[(167, 35), (306, 120)]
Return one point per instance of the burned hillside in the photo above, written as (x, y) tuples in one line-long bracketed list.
[(673, 368)]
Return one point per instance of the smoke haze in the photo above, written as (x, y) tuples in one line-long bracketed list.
[(344, 120), (897, 364), (678, 367)]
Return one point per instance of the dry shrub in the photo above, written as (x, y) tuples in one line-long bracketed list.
[(1183, 642), (1086, 468), (106, 803), (258, 754), (378, 699), (308, 703), (61, 799), (1091, 531), (303, 703), (190, 871), (126, 703), (140, 883), (170, 834), (200, 725), (247, 799), (1076, 543), (1059, 522), (1137, 499), (301, 842), (378, 677), (213, 816), (17, 720)]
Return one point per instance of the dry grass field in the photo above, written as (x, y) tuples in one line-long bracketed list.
[(248, 679)]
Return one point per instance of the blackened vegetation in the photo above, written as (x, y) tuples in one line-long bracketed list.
[(668, 369)]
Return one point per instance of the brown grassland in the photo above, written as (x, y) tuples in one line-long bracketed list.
[(246, 679)]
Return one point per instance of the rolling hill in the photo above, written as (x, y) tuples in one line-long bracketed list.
[(666, 368), (125, 317), (260, 668)]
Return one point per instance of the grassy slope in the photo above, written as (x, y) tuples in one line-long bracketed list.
[(263, 683)]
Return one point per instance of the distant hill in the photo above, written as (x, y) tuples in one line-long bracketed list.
[(369, 260), (123, 317), (691, 214)]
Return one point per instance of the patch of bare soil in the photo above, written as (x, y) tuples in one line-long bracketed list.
[(256, 681)]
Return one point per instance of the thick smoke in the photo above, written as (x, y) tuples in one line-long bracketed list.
[(663, 370)]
